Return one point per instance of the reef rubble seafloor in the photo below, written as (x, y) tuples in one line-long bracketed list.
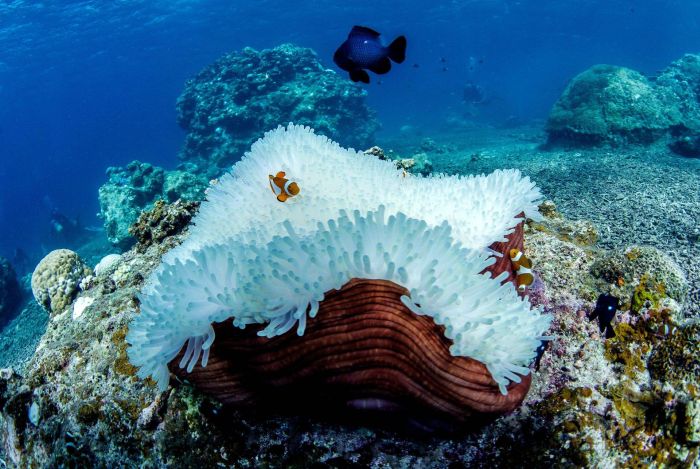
[(633, 400), (634, 195)]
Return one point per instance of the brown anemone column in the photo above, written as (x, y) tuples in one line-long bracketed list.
[(364, 350)]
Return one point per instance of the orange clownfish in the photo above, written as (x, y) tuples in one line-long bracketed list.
[(522, 266), (282, 187)]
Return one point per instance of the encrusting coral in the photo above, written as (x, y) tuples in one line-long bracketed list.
[(256, 260)]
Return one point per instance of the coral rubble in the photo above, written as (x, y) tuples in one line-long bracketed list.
[(233, 101)]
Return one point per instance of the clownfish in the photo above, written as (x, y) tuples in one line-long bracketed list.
[(282, 187), (522, 266)]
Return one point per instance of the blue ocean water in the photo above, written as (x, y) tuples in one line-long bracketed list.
[(89, 84)]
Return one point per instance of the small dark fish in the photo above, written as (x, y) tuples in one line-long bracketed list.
[(444, 69), (363, 50), (605, 310), (544, 345), (443, 59), (416, 66)]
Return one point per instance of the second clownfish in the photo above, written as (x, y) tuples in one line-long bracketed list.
[(522, 266), (282, 187)]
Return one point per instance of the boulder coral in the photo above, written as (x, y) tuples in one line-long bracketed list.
[(609, 104), (56, 279)]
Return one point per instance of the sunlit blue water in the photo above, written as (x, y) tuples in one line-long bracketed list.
[(90, 84)]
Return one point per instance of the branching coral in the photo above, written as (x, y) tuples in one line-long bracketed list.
[(259, 261)]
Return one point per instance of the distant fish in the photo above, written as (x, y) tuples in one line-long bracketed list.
[(282, 187), (363, 50), (605, 309), (473, 93), (522, 266)]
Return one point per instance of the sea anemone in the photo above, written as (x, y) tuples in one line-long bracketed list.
[(251, 259)]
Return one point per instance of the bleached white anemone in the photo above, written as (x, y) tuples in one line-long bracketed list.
[(260, 261)]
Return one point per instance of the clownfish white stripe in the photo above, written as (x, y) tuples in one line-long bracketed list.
[(523, 270), (517, 256), (286, 187), (276, 190)]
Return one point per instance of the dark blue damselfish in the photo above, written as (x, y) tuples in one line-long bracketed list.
[(363, 50)]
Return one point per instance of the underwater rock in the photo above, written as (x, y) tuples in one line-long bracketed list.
[(131, 189), (56, 279), (375, 151), (582, 409), (680, 83), (614, 105), (642, 275), (10, 293), (162, 221), (107, 263), (233, 101), (686, 146)]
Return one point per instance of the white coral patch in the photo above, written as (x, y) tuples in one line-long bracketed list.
[(260, 261), (80, 305), (106, 263)]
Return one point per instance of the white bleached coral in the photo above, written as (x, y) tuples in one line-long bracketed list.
[(260, 261)]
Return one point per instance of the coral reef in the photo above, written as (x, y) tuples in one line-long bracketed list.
[(232, 102), (56, 279), (10, 293), (608, 104), (628, 401), (161, 221), (679, 83), (639, 271), (131, 189)]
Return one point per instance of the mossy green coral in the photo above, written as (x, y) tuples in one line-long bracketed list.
[(648, 294)]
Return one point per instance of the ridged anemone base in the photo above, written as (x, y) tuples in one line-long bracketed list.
[(365, 350)]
